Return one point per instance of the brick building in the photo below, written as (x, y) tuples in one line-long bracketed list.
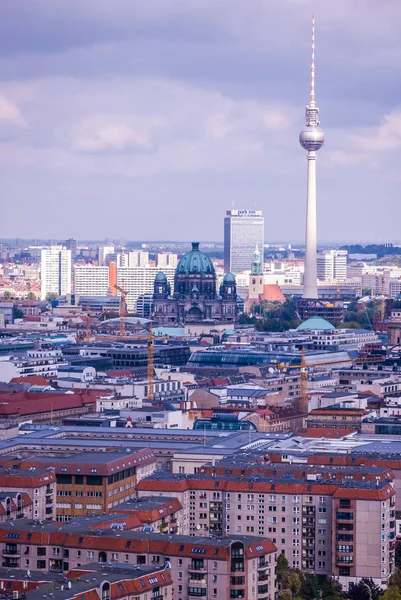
[(92, 482)]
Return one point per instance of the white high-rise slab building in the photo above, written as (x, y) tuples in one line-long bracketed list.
[(140, 280), (55, 271), (311, 139), (166, 259), (91, 280), (244, 230), (332, 265), (104, 251)]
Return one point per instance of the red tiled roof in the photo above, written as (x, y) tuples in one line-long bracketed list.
[(32, 379), (301, 487), (346, 412), (323, 432), (150, 516), (31, 403), (17, 481)]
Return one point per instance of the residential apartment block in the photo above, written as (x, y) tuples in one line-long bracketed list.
[(315, 524), (230, 567), (28, 494), (90, 582)]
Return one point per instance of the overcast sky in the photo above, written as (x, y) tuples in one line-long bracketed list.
[(147, 119)]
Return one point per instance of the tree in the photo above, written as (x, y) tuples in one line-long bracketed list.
[(395, 578), (17, 313), (398, 556), (316, 586), (31, 296), (292, 580), (365, 589), (282, 566), (285, 595), (391, 593), (7, 295), (50, 296)]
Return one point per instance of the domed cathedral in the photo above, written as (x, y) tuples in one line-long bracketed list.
[(195, 297)]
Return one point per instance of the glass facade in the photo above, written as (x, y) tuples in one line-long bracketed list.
[(243, 231)]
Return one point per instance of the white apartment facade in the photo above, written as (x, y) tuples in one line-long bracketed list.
[(332, 265), (91, 280), (55, 271), (104, 251), (140, 280), (166, 259)]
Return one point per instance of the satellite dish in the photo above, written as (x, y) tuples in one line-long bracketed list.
[(271, 370), (198, 526)]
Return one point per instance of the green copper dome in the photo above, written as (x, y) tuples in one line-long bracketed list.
[(229, 278), (195, 262), (160, 276)]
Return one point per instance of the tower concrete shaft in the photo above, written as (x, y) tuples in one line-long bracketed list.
[(311, 139), (310, 275)]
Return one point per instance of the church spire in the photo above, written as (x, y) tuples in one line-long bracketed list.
[(257, 263)]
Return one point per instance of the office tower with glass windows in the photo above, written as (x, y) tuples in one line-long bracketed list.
[(244, 230)]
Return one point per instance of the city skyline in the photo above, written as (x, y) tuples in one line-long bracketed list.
[(206, 116)]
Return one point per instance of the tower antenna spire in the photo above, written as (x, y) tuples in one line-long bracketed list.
[(312, 74)]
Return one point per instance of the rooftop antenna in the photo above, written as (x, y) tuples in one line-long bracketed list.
[(312, 74)]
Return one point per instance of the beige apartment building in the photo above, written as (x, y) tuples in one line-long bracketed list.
[(31, 493), (326, 527), (226, 568)]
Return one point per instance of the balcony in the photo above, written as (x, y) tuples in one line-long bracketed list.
[(11, 563), (344, 560), (345, 516), (308, 521), (237, 568), (197, 581), (308, 510), (197, 568), (12, 552), (49, 499), (308, 543), (308, 532)]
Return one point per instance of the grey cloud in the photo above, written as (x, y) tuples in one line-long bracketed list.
[(177, 108)]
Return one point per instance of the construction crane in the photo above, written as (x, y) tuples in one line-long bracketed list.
[(151, 361), (123, 308), (303, 366), (88, 325)]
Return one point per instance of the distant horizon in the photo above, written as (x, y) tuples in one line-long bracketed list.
[(29, 241)]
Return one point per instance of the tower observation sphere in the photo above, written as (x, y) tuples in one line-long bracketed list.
[(311, 138)]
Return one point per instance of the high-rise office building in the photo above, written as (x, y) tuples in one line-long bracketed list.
[(104, 251), (166, 259), (71, 244), (243, 231), (55, 271), (332, 265)]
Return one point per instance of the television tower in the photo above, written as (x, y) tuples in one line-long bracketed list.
[(311, 139)]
